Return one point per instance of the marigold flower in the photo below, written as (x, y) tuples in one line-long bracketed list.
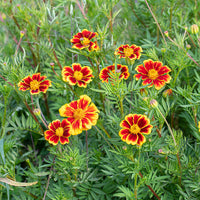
[(78, 75), (153, 73), (130, 53), (58, 131), (133, 128), (81, 115), (122, 69), (35, 84), (82, 40)]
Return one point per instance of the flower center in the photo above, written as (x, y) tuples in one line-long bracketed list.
[(59, 131), (153, 74), (135, 129), (34, 85), (128, 52), (78, 114), (78, 75), (85, 41)]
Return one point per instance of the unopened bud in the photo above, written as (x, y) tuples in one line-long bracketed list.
[(163, 50), (143, 91), (124, 147), (160, 150), (4, 63), (194, 29), (186, 28), (3, 16), (167, 92), (22, 34), (154, 103), (52, 64), (199, 125), (188, 46), (166, 33), (37, 112)]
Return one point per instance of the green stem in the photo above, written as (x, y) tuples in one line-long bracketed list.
[(177, 154), (4, 117)]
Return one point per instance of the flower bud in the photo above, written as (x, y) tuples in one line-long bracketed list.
[(52, 64), (163, 50), (143, 91), (22, 34), (199, 125), (167, 92), (124, 147), (188, 46), (166, 33), (154, 103), (194, 29), (37, 112)]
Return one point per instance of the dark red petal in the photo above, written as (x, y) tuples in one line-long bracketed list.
[(77, 124), (74, 104), (56, 124), (64, 140), (76, 67), (147, 129), (35, 91), (158, 84), (157, 65), (54, 139), (65, 124), (148, 64), (27, 80), (164, 70), (124, 132), (141, 139), (132, 139), (165, 78), (129, 119), (36, 77), (136, 118), (72, 80), (142, 122), (125, 124), (48, 134)]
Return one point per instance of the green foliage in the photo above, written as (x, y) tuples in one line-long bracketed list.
[(96, 164)]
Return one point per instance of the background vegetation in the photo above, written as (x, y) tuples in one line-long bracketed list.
[(100, 165)]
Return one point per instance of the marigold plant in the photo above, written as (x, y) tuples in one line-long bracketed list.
[(105, 73), (82, 114), (58, 131), (130, 53), (133, 128), (77, 75), (35, 84), (153, 73), (82, 40)]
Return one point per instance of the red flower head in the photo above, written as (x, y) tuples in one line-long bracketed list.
[(82, 40), (35, 84), (78, 75), (58, 131), (130, 53), (133, 128), (122, 69), (81, 115), (153, 73)]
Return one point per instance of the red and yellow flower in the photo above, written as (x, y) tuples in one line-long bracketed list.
[(81, 114), (105, 73), (130, 53), (153, 73), (35, 84), (58, 131), (133, 128), (77, 75), (82, 40)]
